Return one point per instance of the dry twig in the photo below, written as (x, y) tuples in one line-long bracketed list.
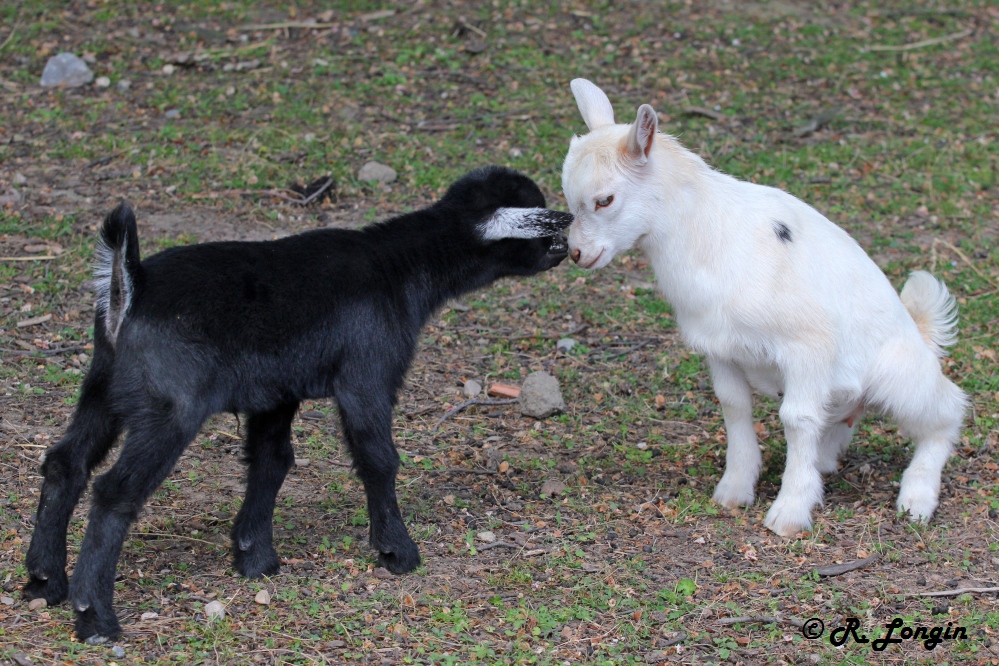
[(762, 619), (469, 403), (918, 45), (955, 593)]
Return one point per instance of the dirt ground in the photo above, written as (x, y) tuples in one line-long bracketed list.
[(629, 561)]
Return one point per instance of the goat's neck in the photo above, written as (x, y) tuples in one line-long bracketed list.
[(695, 208), (429, 265)]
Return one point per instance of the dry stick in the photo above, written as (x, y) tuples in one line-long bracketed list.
[(168, 535), (42, 352), (764, 619), (497, 544), (287, 24), (13, 30), (457, 470), (954, 593), (481, 33), (44, 257), (469, 403), (965, 259), (307, 200), (702, 111), (840, 569), (919, 45), (679, 638)]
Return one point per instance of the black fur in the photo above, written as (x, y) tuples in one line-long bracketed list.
[(255, 328), (783, 233)]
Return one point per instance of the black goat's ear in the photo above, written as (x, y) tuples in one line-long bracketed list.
[(523, 223)]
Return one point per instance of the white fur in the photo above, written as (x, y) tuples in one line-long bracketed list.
[(520, 223), (104, 271), (810, 319)]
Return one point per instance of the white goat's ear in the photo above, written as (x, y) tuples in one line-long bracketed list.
[(523, 223), (643, 133), (593, 104)]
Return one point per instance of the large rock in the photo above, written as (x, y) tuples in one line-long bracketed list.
[(66, 70), (376, 171), (541, 396)]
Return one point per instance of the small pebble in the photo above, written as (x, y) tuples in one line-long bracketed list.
[(486, 537), (263, 597), (118, 651), (102, 82), (124, 85), (214, 611), (35, 604), (302, 462), (172, 113), (149, 616), (169, 69), (471, 388), (565, 345), (7, 601)]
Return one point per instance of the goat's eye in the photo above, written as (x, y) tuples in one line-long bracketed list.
[(603, 203)]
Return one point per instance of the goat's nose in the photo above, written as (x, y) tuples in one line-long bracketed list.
[(575, 255)]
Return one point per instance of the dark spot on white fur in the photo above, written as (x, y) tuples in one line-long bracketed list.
[(783, 233)]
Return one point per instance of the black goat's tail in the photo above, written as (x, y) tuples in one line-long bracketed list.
[(118, 270)]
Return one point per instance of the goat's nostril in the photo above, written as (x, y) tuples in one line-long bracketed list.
[(575, 255)]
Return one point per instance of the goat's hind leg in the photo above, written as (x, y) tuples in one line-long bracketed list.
[(149, 453), (91, 434), (834, 443), (930, 409), (269, 455)]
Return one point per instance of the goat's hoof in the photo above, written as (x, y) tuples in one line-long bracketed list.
[(786, 520), (95, 628), (403, 561), (257, 562), (733, 494), (52, 589), (919, 509)]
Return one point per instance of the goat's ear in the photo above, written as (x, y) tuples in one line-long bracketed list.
[(643, 133), (593, 104)]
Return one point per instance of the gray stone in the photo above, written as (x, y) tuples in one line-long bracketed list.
[(66, 70), (118, 651), (20, 179), (471, 388), (565, 344), (172, 113), (541, 396), (552, 487), (124, 85), (378, 172), (214, 610)]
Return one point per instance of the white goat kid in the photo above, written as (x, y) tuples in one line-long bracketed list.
[(779, 299)]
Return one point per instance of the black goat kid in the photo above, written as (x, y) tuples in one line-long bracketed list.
[(255, 328)]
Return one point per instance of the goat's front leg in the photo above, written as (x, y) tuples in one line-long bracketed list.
[(803, 416), (742, 459), (367, 425), (269, 456)]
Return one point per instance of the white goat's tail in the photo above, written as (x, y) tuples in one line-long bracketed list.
[(933, 309), (118, 270)]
